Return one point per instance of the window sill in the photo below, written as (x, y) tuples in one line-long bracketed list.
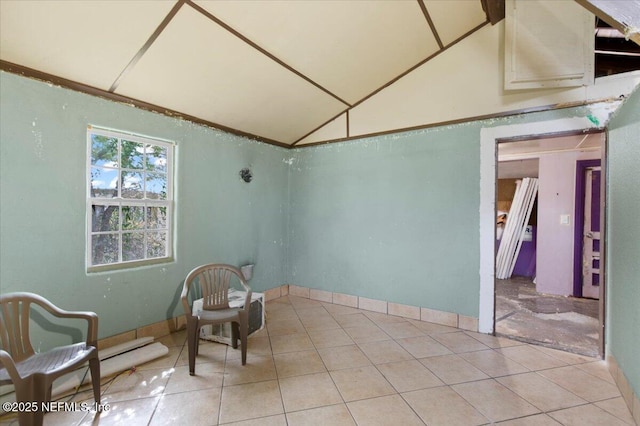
[(129, 265)]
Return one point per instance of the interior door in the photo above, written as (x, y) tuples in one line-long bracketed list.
[(591, 235)]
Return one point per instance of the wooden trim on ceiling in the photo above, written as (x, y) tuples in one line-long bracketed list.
[(321, 126), (90, 90), (94, 91), (425, 12), (147, 45), (389, 83), (264, 52), (419, 64), (464, 120)]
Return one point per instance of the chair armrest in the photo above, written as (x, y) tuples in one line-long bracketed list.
[(247, 299), (185, 300), (7, 362), (92, 324), (90, 317)]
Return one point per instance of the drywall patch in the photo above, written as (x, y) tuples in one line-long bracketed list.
[(600, 113)]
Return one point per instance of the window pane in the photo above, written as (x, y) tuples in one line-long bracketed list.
[(156, 158), (104, 218), (156, 217), (104, 151), (156, 244), (132, 217), (132, 155), (104, 249), (157, 186), (124, 172), (132, 246), (132, 185), (104, 182)]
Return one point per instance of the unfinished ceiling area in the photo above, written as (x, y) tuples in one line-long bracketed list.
[(533, 148), (520, 159), (277, 71)]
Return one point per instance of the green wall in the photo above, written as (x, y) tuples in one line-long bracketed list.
[(623, 237), (218, 217), (391, 218), (395, 217)]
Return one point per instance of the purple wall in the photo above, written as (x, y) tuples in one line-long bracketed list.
[(526, 262), (555, 241)]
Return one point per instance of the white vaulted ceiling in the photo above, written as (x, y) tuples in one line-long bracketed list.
[(290, 72), (278, 70)]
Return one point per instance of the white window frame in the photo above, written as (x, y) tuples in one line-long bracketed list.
[(123, 202)]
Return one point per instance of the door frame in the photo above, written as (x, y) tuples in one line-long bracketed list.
[(581, 167), (489, 139)]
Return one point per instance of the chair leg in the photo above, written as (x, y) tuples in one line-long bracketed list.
[(27, 418), (41, 392), (94, 366), (192, 344), (234, 335), (244, 331), (23, 394), (33, 418), (47, 395)]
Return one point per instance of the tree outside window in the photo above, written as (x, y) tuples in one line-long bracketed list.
[(130, 198)]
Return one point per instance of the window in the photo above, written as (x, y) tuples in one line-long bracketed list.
[(130, 199)]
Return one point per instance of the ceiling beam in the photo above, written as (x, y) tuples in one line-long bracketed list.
[(264, 51), (494, 10), (147, 45), (623, 15), (432, 26)]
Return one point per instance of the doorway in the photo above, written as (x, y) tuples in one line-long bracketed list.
[(536, 293), (537, 302)]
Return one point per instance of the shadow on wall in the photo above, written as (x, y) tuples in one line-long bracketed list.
[(175, 301), (44, 323)]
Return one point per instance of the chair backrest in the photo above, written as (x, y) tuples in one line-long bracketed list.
[(213, 281), (15, 310)]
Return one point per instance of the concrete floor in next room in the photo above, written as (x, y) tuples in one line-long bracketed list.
[(566, 323)]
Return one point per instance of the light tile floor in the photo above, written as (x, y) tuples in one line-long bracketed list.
[(322, 364)]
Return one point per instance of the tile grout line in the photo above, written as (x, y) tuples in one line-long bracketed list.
[(574, 363), (325, 365)]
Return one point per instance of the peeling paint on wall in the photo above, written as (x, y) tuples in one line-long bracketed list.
[(601, 113), (43, 152), (38, 144)]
